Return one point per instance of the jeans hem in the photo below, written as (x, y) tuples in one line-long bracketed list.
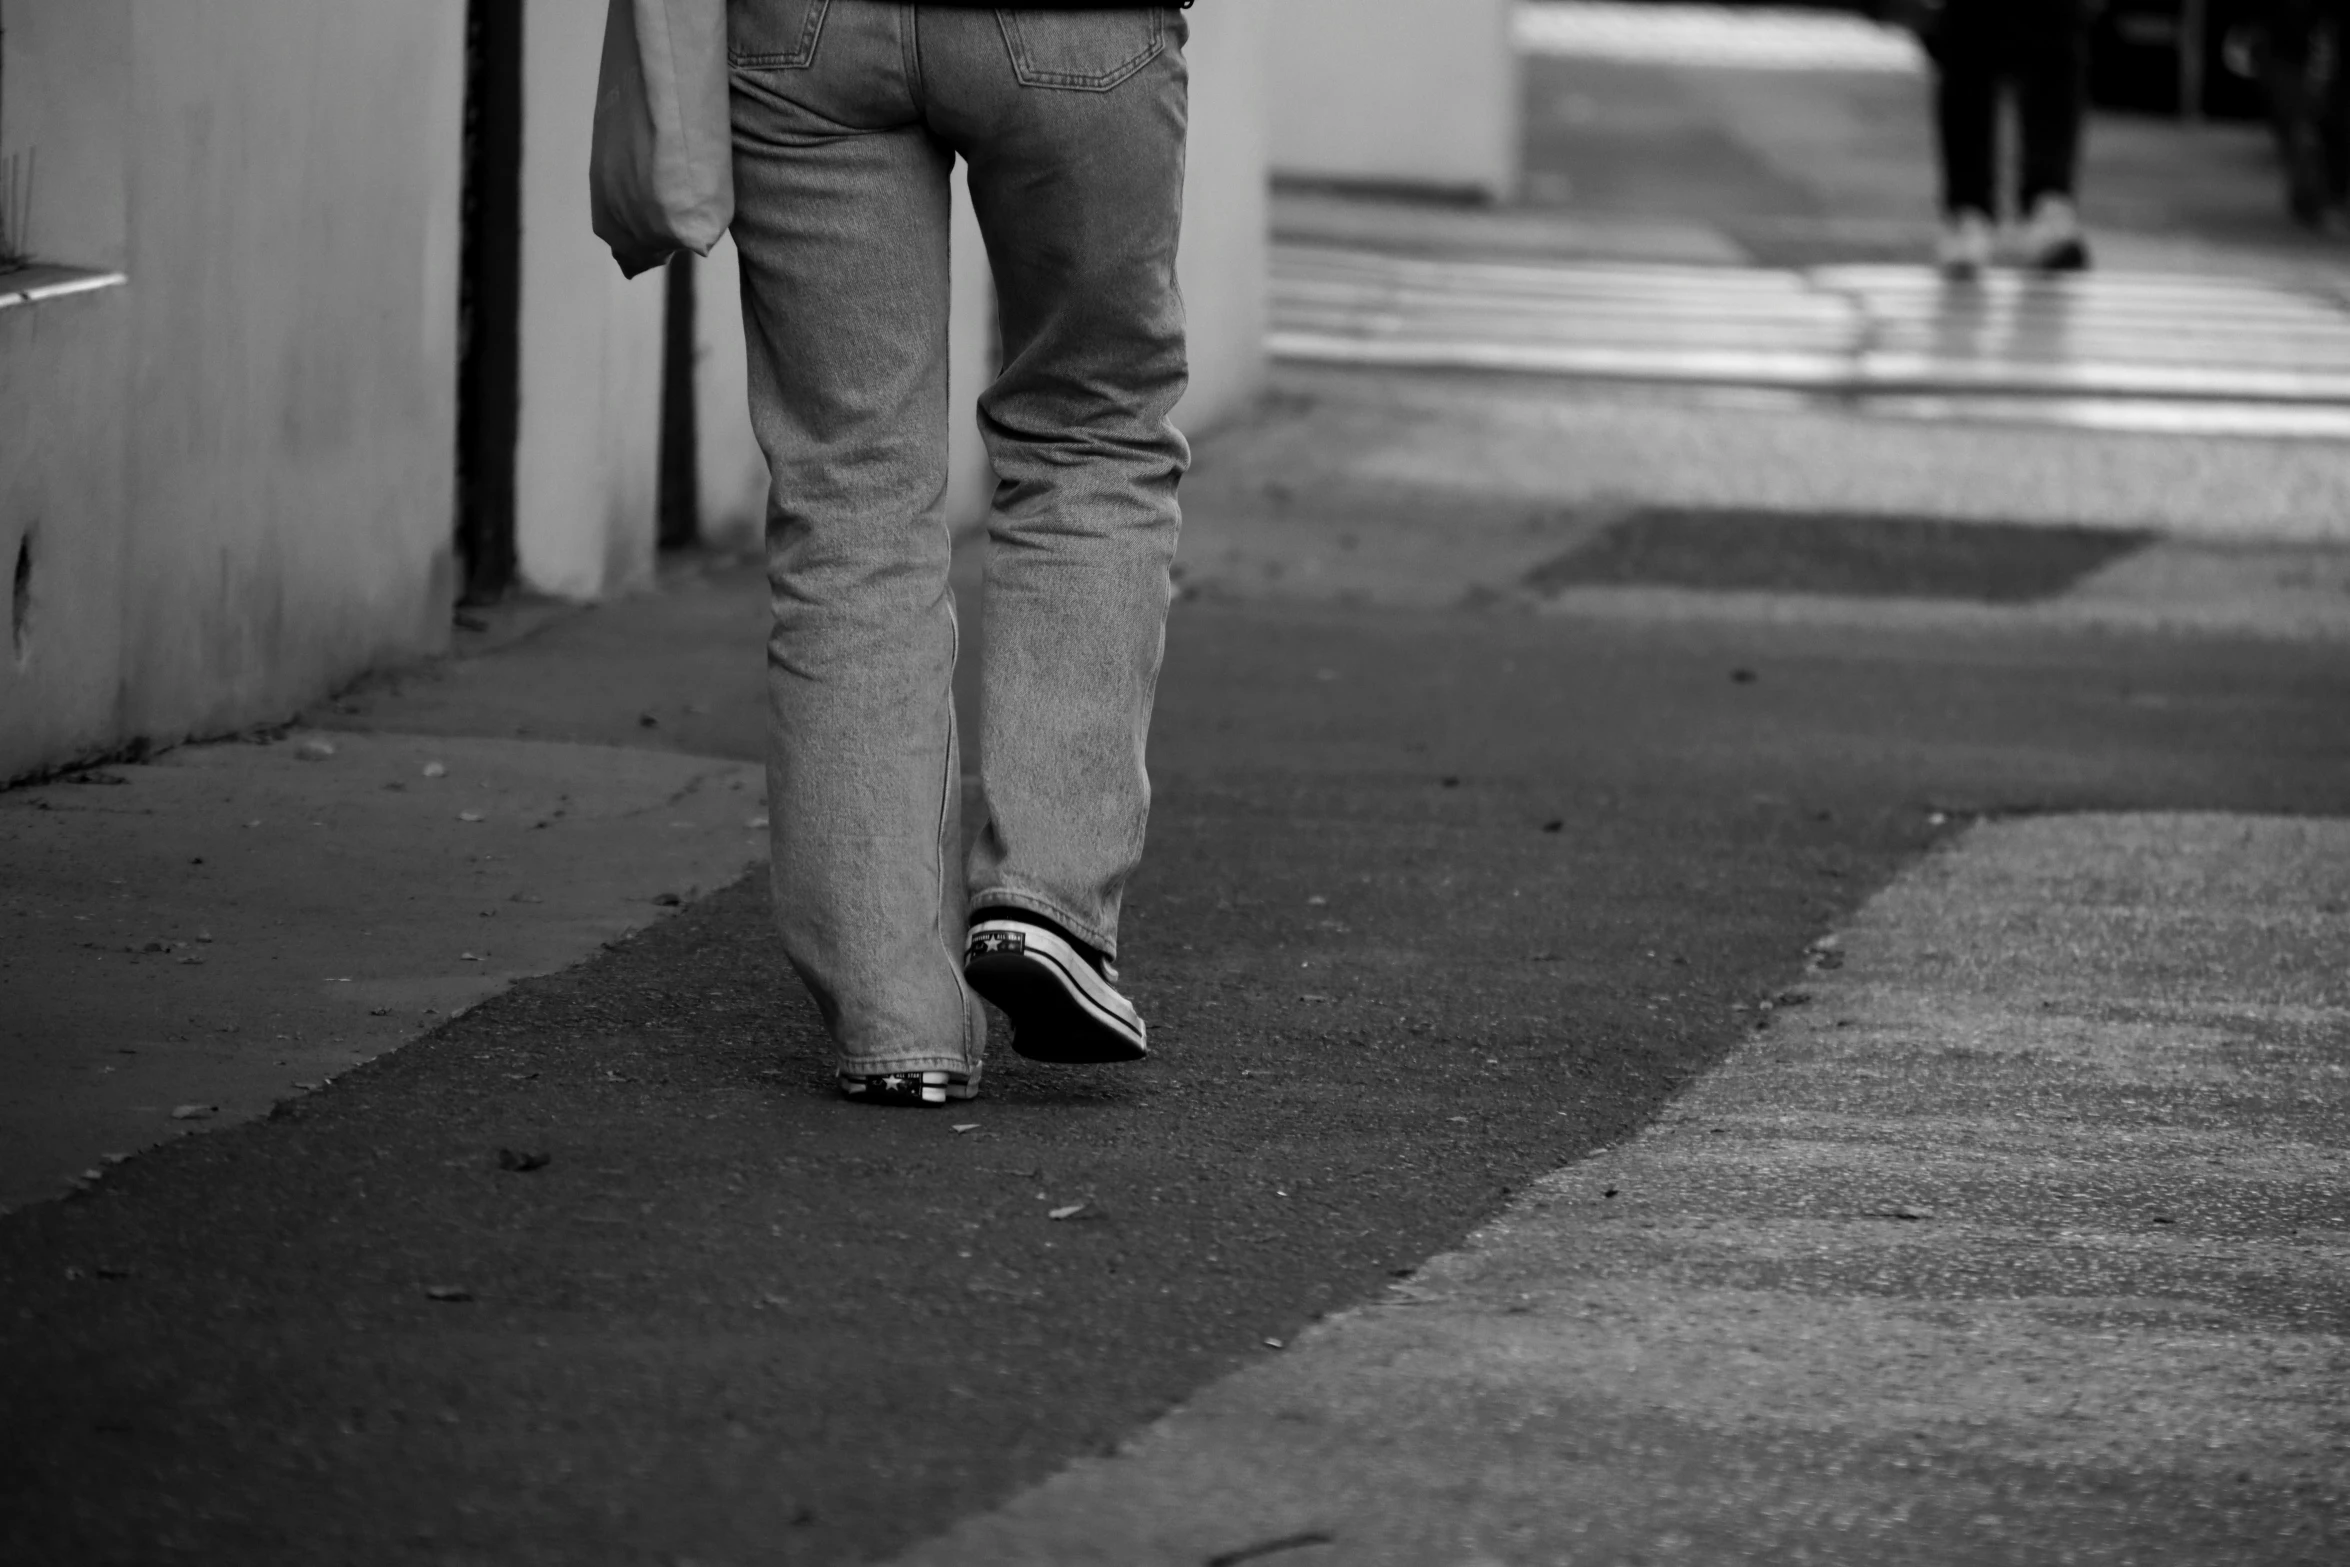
[(875, 1065), (1092, 935)]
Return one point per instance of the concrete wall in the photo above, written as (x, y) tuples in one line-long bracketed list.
[(732, 472), (1415, 92), (1222, 265), (235, 471), (63, 365), (588, 460)]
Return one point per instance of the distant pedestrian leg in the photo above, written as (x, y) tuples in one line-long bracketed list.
[(2051, 94), (1965, 46)]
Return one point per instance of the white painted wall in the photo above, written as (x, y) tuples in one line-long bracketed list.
[(733, 472), (64, 366), (238, 468), (588, 457), (1416, 92), (1222, 265)]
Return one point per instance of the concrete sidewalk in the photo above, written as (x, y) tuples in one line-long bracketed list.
[(2019, 1232), (190, 940), (1492, 837)]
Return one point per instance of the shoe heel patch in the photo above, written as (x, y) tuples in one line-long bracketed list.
[(998, 944)]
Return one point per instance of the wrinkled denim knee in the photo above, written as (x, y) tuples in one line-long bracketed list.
[(847, 117)]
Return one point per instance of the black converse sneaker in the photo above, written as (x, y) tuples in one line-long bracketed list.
[(1058, 995), (907, 1088)]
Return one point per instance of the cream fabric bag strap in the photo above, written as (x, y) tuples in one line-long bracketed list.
[(661, 167)]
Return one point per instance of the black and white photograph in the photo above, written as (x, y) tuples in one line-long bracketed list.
[(1175, 783)]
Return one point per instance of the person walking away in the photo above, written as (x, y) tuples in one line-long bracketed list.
[(847, 118), (2308, 85), (1981, 48)]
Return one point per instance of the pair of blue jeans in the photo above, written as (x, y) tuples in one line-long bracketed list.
[(848, 115)]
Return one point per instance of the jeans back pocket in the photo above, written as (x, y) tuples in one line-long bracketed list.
[(773, 35), (1081, 51)]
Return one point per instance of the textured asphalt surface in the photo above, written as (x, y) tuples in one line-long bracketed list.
[(1436, 902)]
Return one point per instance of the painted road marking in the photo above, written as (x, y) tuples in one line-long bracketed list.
[(1717, 36), (2225, 355)]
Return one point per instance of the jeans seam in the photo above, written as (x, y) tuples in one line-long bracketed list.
[(802, 54), (1068, 81), (950, 779), (910, 53)]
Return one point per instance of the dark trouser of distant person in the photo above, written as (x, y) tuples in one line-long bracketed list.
[(2308, 84), (2039, 48)]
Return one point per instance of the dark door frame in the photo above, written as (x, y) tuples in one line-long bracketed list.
[(489, 308)]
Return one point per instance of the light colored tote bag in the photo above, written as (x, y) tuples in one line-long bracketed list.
[(661, 167)]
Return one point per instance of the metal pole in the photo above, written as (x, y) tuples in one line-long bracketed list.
[(2193, 22)]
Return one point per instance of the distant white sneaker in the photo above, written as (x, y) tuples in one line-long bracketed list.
[(1964, 248), (1062, 1006), (2053, 239)]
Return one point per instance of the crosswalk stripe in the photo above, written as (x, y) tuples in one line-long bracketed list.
[(1760, 38), (1858, 329)]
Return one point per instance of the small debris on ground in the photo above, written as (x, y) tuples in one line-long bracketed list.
[(193, 1112), (436, 769), (452, 1294), (967, 1126), (1070, 1212), (522, 1163), (314, 750), (469, 816)]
